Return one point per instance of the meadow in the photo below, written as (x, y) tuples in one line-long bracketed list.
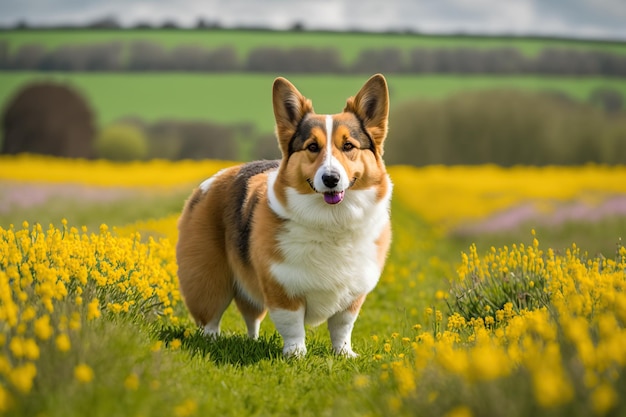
[(246, 98), (93, 323)]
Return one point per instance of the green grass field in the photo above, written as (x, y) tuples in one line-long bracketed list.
[(237, 98), (349, 44), (111, 345)]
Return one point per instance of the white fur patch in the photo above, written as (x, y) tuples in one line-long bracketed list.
[(329, 139), (206, 184), (340, 328), (290, 325), (329, 251), (330, 164), (212, 328), (275, 205)]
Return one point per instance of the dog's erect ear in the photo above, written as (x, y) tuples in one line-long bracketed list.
[(289, 108), (371, 106)]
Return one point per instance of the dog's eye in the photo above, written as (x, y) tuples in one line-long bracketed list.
[(348, 147), (313, 147)]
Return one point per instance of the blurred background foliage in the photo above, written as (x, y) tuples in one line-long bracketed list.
[(455, 100)]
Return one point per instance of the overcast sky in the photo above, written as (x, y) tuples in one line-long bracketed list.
[(570, 18)]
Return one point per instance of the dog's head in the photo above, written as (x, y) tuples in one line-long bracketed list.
[(329, 156)]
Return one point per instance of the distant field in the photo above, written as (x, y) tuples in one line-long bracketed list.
[(348, 44), (236, 98)]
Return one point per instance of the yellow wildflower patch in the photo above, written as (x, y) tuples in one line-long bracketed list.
[(83, 373)]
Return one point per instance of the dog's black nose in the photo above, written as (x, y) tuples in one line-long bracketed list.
[(330, 179)]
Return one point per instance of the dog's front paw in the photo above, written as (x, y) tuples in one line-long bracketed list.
[(294, 350), (346, 351)]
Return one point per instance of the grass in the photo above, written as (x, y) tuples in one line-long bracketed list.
[(149, 362), (193, 96), (349, 44), (127, 209)]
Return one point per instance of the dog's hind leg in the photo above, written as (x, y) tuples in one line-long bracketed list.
[(252, 313), (204, 274), (207, 288)]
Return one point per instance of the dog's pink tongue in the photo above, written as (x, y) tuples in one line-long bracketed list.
[(334, 198)]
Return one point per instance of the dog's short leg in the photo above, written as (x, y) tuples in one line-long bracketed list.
[(290, 325), (252, 314), (340, 327)]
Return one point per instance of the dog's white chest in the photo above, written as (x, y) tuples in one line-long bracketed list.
[(329, 272), (331, 266)]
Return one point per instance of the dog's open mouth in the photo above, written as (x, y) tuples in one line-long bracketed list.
[(334, 197)]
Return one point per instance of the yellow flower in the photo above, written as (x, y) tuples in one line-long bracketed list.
[(603, 399), (93, 309), (186, 408), (28, 314), (156, 346), (404, 377), (175, 344), (24, 348), (43, 329), (131, 382), (63, 342), (361, 381), (460, 411), (83, 373), (16, 345), (22, 377), (31, 350)]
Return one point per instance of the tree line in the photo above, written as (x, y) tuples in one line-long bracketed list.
[(505, 127), (144, 55)]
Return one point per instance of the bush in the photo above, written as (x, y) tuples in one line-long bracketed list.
[(608, 99), (121, 142), (506, 127), (48, 119)]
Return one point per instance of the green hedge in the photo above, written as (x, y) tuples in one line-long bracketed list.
[(505, 127)]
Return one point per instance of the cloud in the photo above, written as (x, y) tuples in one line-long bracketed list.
[(572, 18)]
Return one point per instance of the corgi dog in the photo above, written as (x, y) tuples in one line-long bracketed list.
[(305, 237)]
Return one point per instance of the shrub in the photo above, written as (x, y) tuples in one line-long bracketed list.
[(607, 99), (121, 142), (506, 127), (49, 119), (518, 276)]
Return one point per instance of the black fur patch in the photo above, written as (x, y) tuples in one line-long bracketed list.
[(243, 213), (370, 141), (358, 132), (303, 132), (193, 200)]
